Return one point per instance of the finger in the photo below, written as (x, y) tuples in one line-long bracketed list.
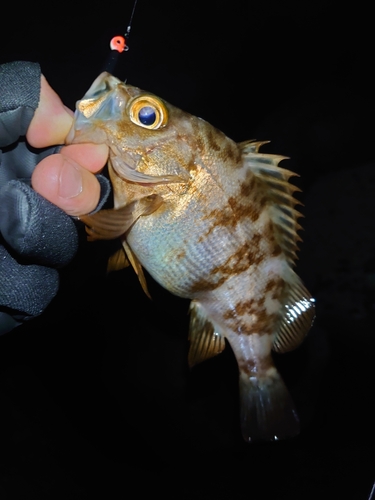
[(91, 156), (52, 120), (66, 184)]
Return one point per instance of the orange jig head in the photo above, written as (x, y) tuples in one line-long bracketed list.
[(118, 43)]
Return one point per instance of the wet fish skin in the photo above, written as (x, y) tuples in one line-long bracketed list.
[(222, 231)]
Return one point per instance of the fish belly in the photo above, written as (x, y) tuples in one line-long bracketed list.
[(177, 252)]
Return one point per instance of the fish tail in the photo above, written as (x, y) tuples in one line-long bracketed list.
[(267, 409)]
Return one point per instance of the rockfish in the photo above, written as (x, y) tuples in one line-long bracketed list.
[(213, 221)]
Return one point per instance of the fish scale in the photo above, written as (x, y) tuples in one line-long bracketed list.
[(210, 220)]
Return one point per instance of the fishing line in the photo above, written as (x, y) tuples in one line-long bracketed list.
[(372, 494), (118, 45)]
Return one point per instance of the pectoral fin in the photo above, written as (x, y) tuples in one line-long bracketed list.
[(113, 223), (205, 342)]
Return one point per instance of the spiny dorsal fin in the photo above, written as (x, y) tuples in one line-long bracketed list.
[(205, 342), (280, 195), (298, 316)]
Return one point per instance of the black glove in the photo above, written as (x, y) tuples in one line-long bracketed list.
[(36, 237)]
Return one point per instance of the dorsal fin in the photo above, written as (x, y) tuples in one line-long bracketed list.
[(299, 307), (280, 195), (205, 342)]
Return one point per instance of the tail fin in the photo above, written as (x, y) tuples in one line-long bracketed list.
[(267, 410)]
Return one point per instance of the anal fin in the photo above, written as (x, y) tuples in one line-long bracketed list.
[(205, 342)]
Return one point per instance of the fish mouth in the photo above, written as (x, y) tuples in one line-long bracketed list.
[(82, 131), (102, 84), (101, 103)]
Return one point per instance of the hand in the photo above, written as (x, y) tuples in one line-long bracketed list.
[(36, 236), (65, 179)]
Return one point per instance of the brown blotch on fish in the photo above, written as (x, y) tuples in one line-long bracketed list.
[(261, 365), (246, 307), (242, 210), (270, 232), (256, 239), (192, 167), (197, 137), (264, 322), (213, 139), (232, 153), (240, 261), (248, 185), (206, 284), (219, 218), (254, 258), (276, 250), (272, 284), (261, 323), (181, 254)]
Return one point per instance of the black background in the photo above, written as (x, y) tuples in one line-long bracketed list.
[(96, 395)]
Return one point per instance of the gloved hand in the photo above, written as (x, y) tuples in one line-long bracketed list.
[(36, 237)]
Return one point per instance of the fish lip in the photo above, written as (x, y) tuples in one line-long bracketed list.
[(104, 82), (81, 126)]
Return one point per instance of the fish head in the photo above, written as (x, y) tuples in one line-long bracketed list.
[(111, 106), (150, 141)]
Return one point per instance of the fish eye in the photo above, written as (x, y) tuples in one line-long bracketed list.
[(148, 112), (147, 115)]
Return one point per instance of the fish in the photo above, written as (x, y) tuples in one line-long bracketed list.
[(213, 221)]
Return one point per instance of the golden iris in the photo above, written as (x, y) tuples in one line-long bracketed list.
[(148, 112)]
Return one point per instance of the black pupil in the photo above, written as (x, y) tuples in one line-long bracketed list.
[(147, 115)]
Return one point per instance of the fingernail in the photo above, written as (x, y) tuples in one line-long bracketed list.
[(70, 181)]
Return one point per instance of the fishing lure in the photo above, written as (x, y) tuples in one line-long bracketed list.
[(118, 45)]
